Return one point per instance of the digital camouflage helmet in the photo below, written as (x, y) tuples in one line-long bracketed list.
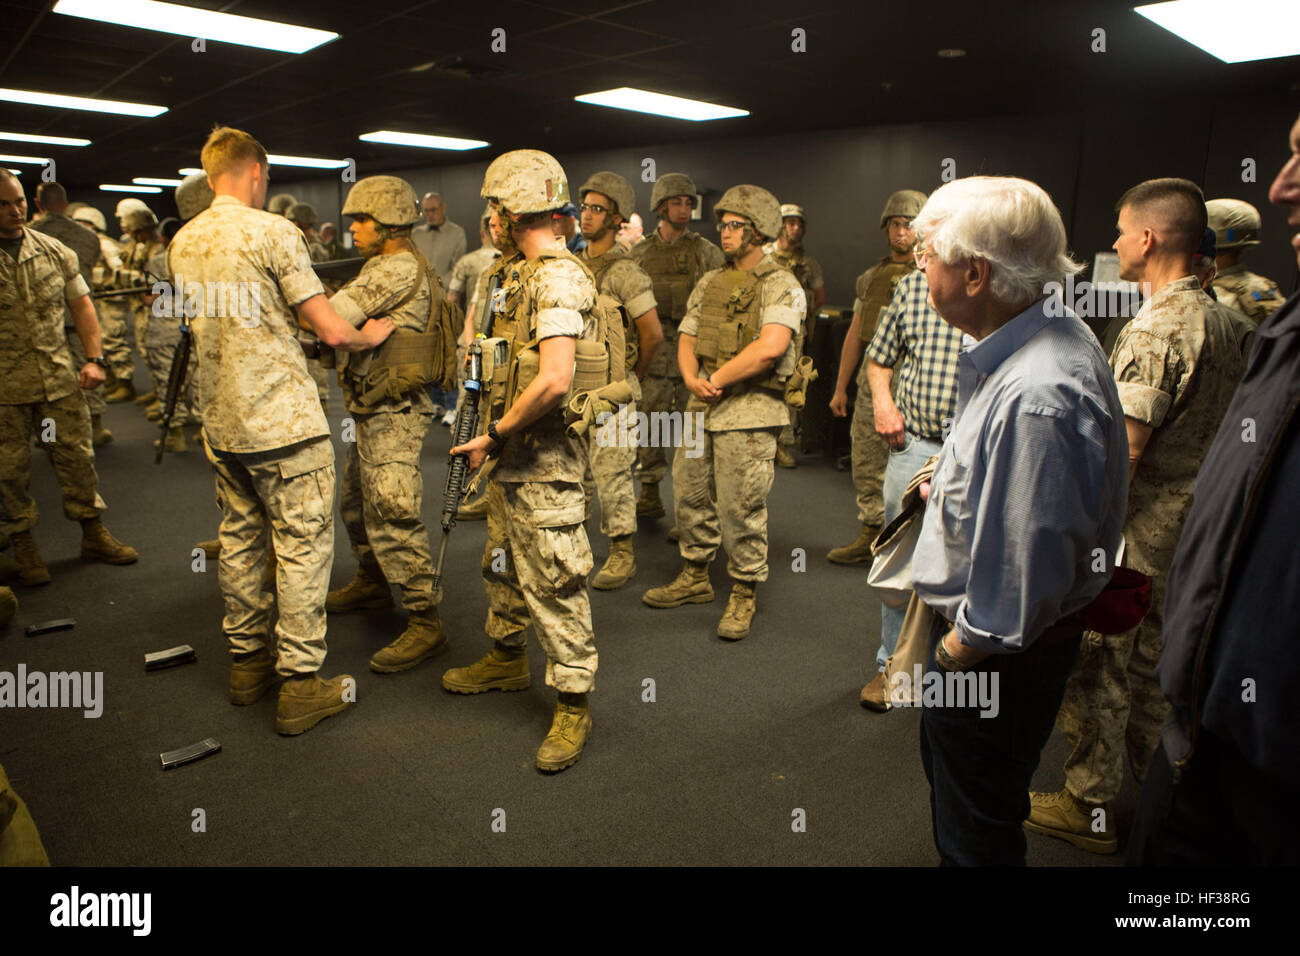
[(304, 214), (672, 184), (618, 189), (279, 204), (754, 203), (388, 200), (526, 182), (193, 195), (91, 217), (135, 219), (1235, 223), (906, 203)]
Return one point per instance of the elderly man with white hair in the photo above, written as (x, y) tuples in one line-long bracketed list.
[(1024, 511)]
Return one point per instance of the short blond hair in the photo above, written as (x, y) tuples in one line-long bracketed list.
[(227, 149)]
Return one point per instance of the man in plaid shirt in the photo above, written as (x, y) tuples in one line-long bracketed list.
[(913, 341)]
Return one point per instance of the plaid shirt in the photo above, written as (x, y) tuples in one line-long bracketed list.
[(929, 347)]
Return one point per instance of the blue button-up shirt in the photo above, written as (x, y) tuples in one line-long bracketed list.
[(1027, 503)]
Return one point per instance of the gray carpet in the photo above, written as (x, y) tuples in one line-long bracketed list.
[(739, 737)]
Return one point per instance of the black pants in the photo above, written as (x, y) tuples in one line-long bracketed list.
[(1223, 812), (979, 768)]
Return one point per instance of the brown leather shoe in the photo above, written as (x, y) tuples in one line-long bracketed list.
[(875, 696)]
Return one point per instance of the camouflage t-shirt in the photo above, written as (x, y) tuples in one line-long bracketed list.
[(1248, 292), (469, 267), (1177, 364), (35, 362), (559, 298), (376, 291), (250, 269), (781, 300)]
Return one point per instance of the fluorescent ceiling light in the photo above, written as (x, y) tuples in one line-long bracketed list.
[(189, 171), (1253, 30), (661, 104), (311, 161), (116, 188), (147, 181), (421, 139), (60, 101), (52, 140), (189, 22), (34, 160)]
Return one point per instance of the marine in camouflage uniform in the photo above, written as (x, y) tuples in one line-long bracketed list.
[(383, 488), (264, 431), (40, 388), (303, 215), (54, 222), (112, 311), (1176, 365), (537, 557), (465, 275), (675, 258), (788, 251), (1236, 226), (142, 247), (611, 451), (737, 349), (873, 292)]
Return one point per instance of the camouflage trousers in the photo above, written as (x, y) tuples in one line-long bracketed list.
[(535, 567), (1113, 704), (611, 453), (141, 314), (288, 494), (113, 333), (382, 496), (870, 456), (164, 337), (65, 422), (662, 390), (94, 396), (722, 499)]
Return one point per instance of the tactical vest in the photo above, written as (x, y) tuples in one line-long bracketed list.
[(1258, 299), (729, 321), (880, 292), (674, 269), (409, 360), (599, 267)]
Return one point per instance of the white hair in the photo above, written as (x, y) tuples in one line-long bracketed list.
[(1011, 223)]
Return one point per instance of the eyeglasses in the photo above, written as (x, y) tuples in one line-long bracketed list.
[(592, 207), (731, 225)]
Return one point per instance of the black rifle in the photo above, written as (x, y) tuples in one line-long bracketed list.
[(464, 430), (338, 268), (175, 383), (114, 293)]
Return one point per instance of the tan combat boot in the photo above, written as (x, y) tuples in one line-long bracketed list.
[(175, 441), (422, 639), (875, 696), (148, 398), (570, 728), (120, 391), (619, 567), (857, 551), (154, 412), (784, 458), (98, 545), (649, 504), (8, 606), (306, 700), (734, 625), (251, 676), (99, 435), (1064, 816), (475, 510), (691, 586), (367, 590), (31, 569), (500, 669)]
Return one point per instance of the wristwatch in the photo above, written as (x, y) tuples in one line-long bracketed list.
[(494, 434), (100, 361), (945, 660)]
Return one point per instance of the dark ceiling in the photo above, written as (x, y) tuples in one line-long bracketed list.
[(428, 67)]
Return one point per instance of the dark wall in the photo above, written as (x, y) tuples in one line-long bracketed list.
[(1085, 160)]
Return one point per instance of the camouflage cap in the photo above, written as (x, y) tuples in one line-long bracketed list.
[(304, 214), (135, 219), (193, 195), (279, 204), (789, 209), (526, 181), (754, 203), (616, 188), (389, 200), (672, 184), (92, 217), (130, 202), (1235, 223), (906, 203)]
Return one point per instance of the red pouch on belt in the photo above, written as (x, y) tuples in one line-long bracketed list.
[(1121, 605)]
